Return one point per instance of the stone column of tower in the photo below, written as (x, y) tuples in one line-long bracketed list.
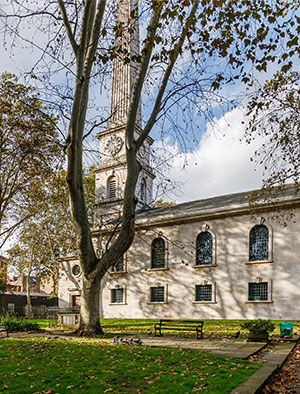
[(124, 74), (111, 171)]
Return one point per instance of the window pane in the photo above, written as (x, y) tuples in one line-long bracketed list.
[(158, 253), (203, 292), (259, 243), (204, 249), (116, 296), (119, 265), (258, 291), (157, 294)]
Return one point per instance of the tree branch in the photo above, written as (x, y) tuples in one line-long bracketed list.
[(68, 26), (173, 58)]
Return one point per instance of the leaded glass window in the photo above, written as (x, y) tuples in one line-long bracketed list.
[(204, 249), (117, 296), (258, 291), (259, 243), (119, 265), (203, 293), (157, 294), (158, 253)]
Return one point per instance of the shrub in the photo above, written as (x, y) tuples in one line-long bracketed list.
[(12, 323), (259, 326)]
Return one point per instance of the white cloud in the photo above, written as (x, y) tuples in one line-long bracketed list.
[(219, 165)]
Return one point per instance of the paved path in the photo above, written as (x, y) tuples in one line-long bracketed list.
[(287, 380), (272, 360), (227, 348)]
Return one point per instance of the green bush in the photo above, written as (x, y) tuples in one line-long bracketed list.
[(259, 326), (12, 323)]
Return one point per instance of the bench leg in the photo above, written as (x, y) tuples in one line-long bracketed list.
[(159, 332), (157, 329)]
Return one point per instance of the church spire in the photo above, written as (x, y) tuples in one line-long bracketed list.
[(124, 74), (111, 170)]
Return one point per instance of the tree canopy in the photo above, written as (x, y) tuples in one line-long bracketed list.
[(29, 151), (49, 233)]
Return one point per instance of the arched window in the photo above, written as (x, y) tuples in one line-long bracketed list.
[(204, 249), (111, 187), (158, 253), (143, 193), (259, 243)]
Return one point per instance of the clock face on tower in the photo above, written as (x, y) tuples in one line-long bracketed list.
[(114, 145)]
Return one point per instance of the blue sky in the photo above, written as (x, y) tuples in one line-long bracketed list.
[(217, 163)]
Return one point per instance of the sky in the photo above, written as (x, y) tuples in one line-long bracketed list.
[(219, 164)]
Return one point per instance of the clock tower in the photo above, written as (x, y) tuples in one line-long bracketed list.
[(111, 171)]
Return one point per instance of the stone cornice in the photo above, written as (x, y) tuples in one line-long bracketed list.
[(120, 127), (171, 218)]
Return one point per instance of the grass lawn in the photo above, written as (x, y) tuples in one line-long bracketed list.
[(217, 329), (211, 329), (43, 323), (41, 366)]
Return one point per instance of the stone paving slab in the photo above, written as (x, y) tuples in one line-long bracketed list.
[(272, 360), (229, 348)]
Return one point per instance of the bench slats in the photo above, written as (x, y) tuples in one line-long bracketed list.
[(180, 325)]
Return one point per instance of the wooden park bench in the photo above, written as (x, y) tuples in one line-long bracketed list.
[(179, 325), (4, 328)]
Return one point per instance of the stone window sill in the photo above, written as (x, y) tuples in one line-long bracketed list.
[(158, 269), (157, 303), (117, 272), (204, 265), (117, 303), (259, 262), (259, 302), (204, 302)]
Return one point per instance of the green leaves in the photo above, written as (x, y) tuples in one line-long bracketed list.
[(29, 148)]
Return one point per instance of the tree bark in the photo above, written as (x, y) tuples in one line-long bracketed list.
[(29, 307), (93, 268), (89, 307)]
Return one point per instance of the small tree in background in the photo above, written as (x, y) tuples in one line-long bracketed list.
[(49, 233), (29, 151)]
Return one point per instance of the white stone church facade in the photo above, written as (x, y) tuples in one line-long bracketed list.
[(209, 259)]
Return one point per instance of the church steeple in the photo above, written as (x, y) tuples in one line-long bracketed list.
[(127, 41), (111, 171)]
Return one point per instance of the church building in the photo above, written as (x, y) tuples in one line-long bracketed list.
[(216, 258)]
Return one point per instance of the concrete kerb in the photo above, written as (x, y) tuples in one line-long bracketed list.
[(273, 360)]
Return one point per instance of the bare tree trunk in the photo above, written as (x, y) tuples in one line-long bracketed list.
[(89, 307), (85, 51), (55, 272), (29, 306)]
